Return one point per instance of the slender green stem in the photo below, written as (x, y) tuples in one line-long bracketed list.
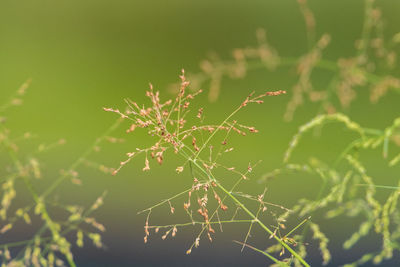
[(262, 252), (319, 195), (85, 154), (201, 223), (165, 201), (295, 228), (214, 132), (381, 186), (178, 126), (346, 150)]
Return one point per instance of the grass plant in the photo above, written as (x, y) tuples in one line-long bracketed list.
[(213, 197), (53, 236)]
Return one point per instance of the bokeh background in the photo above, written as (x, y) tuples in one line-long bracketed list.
[(85, 55)]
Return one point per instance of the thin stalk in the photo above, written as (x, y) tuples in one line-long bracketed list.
[(165, 201), (214, 132), (300, 224), (201, 223), (262, 252), (84, 155)]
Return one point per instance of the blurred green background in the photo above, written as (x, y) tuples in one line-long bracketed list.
[(85, 55)]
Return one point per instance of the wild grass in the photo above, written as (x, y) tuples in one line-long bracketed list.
[(348, 190), (166, 121), (22, 172)]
